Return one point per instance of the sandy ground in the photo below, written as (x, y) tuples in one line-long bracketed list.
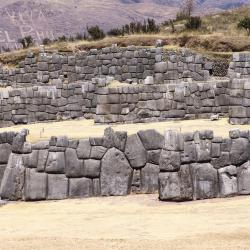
[(133, 222), (87, 128)]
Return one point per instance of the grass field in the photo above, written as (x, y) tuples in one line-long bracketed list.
[(135, 222), (86, 128)]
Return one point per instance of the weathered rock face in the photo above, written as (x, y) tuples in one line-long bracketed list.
[(114, 139), (135, 152), (80, 187), (5, 151), (13, 179), (74, 167), (243, 175), (35, 187), (57, 187), (116, 174), (55, 163), (149, 178), (176, 186), (205, 181), (228, 181), (151, 139), (170, 161), (239, 151)]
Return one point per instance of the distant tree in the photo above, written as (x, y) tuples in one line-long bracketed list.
[(115, 32), (186, 10), (46, 41), (193, 23), (62, 38), (96, 33), (26, 41), (245, 24), (79, 36)]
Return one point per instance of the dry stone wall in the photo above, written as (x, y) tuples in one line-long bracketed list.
[(189, 166), (145, 103), (115, 164), (240, 65), (196, 166), (44, 103), (122, 63)]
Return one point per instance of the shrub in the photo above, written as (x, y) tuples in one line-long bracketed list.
[(26, 41), (245, 24), (96, 33), (193, 23), (46, 41), (115, 32)]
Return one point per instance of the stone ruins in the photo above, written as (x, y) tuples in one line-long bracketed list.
[(151, 85)]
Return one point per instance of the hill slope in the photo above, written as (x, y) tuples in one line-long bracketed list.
[(53, 18)]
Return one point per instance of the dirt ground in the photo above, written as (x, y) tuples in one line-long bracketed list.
[(87, 128), (134, 222)]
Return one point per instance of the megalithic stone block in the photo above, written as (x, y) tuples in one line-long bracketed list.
[(176, 186), (228, 181), (205, 181), (13, 179), (243, 176), (35, 187), (116, 174), (149, 178), (174, 141)]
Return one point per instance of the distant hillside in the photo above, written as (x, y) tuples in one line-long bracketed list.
[(53, 18)]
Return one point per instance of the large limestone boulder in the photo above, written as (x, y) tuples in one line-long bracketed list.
[(35, 187), (13, 179), (57, 187), (149, 178), (174, 141), (116, 174), (114, 139), (151, 139), (228, 181), (239, 153), (83, 149), (5, 151), (55, 163), (80, 187), (176, 186), (205, 181), (135, 152), (74, 167), (243, 176), (170, 161)]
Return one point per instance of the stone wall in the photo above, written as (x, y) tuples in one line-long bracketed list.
[(122, 63), (7, 139), (239, 110), (240, 65), (44, 103), (189, 166), (145, 103), (195, 166), (115, 164)]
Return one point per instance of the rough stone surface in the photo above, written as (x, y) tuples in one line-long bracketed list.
[(243, 176), (13, 178), (149, 179), (35, 187), (80, 187), (116, 174), (74, 167), (135, 152), (55, 163), (92, 168), (205, 181), (151, 139), (83, 149), (170, 161), (57, 187), (228, 181), (176, 186)]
